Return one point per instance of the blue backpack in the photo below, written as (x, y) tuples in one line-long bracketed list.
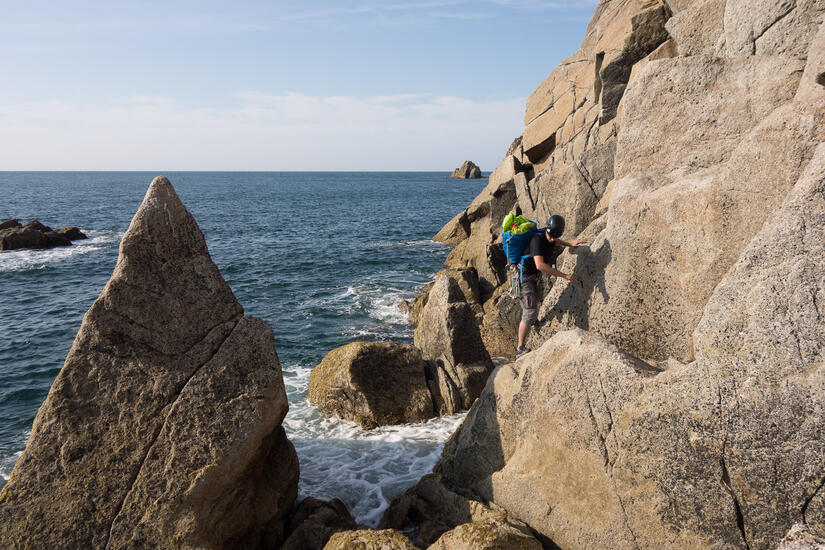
[(516, 232)]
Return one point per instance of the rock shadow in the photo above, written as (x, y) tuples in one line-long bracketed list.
[(574, 300)]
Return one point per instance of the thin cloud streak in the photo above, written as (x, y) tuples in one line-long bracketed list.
[(261, 132)]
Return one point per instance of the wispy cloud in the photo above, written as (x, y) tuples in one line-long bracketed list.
[(262, 131)]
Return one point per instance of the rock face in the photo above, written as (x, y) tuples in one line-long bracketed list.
[(164, 426), (468, 170), (684, 142), (726, 451), (34, 234), (681, 216), (373, 384)]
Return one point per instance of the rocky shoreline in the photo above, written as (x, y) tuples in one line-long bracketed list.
[(673, 395)]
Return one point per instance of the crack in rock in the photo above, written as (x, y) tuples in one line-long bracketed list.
[(171, 407)]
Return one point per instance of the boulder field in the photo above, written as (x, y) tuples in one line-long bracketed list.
[(163, 428), (673, 397)]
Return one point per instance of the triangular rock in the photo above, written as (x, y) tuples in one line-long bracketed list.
[(164, 426)]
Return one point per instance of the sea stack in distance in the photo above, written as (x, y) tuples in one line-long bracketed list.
[(468, 171)]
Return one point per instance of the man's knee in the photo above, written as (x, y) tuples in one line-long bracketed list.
[(529, 308), (529, 316)]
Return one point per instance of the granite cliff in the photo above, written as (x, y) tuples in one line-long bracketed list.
[(673, 397)]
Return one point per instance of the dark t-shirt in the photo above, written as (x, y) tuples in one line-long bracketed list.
[(540, 246)]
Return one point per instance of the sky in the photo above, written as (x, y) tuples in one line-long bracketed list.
[(272, 85)]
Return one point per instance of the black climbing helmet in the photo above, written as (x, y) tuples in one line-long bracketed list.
[(555, 226)]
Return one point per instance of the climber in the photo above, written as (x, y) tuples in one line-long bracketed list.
[(544, 248)]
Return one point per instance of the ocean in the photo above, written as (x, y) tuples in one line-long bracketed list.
[(323, 257)]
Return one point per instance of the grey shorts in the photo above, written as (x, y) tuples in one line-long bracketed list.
[(529, 301)]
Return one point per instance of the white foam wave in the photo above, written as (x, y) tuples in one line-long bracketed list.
[(24, 260), (7, 462), (394, 244), (364, 468)]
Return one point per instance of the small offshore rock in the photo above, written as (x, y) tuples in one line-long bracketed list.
[(72, 233), (34, 234), (468, 170), (37, 226)]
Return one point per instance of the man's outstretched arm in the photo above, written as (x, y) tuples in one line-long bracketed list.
[(544, 267), (574, 244)]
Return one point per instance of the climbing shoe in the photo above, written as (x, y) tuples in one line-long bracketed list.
[(521, 351)]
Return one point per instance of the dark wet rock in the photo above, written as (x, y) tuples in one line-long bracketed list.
[(430, 509), (314, 521), (22, 237), (72, 233), (37, 226), (34, 234)]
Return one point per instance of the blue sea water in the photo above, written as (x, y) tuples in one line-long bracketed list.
[(323, 257)]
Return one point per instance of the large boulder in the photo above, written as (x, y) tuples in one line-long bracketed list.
[(762, 334), (592, 448), (314, 521), (429, 510), (163, 427), (15, 238), (373, 384), (72, 233), (499, 325), (487, 534), (448, 333), (468, 170), (368, 539)]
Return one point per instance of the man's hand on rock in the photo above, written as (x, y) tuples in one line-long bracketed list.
[(578, 243)]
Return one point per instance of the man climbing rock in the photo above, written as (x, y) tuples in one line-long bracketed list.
[(544, 248)]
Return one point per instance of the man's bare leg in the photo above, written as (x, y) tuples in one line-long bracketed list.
[(523, 330)]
